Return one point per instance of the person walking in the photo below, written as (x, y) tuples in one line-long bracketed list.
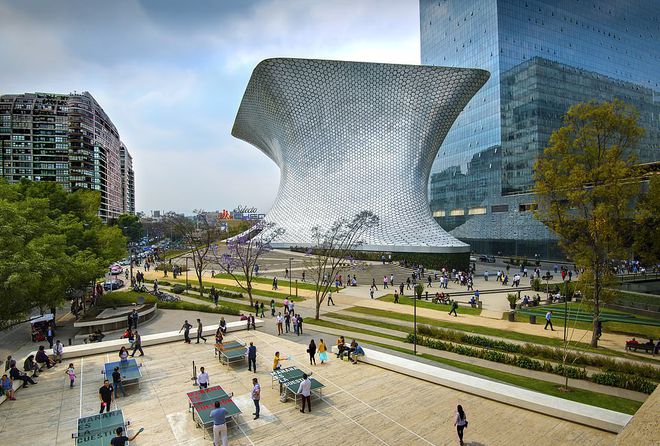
[(136, 317), (280, 321), (294, 320), (105, 395), (58, 351), (272, 307), (261, 309), (311, 349), (256, 396), (186, 331), (252, 358), (548, 321), (460, 422), (203, 378), (137, 345), (330, 301), (287, 322), (251, 322), (300, 324), (305, 389), (200, 329), (256, 308), (323, 354), (71, 373), (396, 296), (373, 284), (454, 306), (219, 425), (117, 384)]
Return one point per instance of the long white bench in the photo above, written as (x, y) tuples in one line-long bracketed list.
[(95, 348), (597, 417)]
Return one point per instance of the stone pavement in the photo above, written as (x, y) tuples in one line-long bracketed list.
[(361, 404)]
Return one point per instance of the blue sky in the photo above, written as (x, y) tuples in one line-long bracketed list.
[(171, 74)]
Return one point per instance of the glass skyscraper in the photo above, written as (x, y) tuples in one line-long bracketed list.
[(543, 56)]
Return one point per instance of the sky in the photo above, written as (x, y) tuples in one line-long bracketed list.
[(171, 75)]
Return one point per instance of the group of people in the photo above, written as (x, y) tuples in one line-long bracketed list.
[(32, 366), (352, 350), (284, 323)]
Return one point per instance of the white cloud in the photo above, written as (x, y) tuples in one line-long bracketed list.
[(171, 77)]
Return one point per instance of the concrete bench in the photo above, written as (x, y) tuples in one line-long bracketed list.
[(649, 348), (575, 412)]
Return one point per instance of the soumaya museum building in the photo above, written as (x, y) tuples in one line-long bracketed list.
[(543, 57), (351, 136)]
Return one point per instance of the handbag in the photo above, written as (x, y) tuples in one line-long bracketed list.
[(466, 424)]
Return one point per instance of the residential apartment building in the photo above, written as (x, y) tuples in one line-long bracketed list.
[(66, 138)]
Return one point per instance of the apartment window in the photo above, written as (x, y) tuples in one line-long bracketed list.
[(477, 211), (439, 214), (528, 207), (499, 208), (457, 212)]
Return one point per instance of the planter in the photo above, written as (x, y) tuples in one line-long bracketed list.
[(512, 306), (512, 316), (532, 319)]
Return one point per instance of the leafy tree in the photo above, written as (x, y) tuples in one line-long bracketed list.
[(130, 226), (333, 248), (199, 234), (647, 224), (584, 190), (51, 242), (244, 251)]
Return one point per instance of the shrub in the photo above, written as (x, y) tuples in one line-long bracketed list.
[(536, 284), (198, 307), (178, 288), (624, 381)]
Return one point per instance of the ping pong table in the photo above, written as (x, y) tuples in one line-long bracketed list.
[(292, 387), (98, 430), (202, 402), (130, 371), (230, 352), (285, 374)]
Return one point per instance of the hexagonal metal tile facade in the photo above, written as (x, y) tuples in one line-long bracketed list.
[(353, 136)]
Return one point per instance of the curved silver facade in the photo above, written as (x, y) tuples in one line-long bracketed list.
[(352, 136)]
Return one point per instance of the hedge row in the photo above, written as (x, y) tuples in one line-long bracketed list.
[(524, 362), (623, 381), (548, 353), (619, 380), (197, 307), (220, 291)]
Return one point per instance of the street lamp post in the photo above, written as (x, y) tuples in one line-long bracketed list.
[(130, 261), (290, 275), (415, 321), (186, 272)]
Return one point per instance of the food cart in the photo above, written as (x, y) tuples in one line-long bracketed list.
[(39, 326)]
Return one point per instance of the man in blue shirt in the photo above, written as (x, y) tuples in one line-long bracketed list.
[(219, 425), (252, 358)]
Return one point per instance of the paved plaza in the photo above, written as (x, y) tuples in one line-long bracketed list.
[(361, 404)]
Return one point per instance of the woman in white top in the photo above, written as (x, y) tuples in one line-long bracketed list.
[(460, 422)]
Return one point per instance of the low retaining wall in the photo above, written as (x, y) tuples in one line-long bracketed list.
[(597, 417), (115, 323)]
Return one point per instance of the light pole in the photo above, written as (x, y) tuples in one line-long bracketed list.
[(186, 272), (290, 275), (415, 323), (130, 261)]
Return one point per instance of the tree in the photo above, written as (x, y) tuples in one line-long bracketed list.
[(199, 235), (584, 189), (130, 226), (51, 242), (647, 224), (244, 251), (332, 249)]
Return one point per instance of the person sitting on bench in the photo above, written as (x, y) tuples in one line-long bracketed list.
[(97, 336), (30, 365), (341, 346), (223, 325), (357, 352), (349, 350), (43, 358)]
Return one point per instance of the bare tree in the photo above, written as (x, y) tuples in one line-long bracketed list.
[(199, 234), (333, 248), (244, 251)]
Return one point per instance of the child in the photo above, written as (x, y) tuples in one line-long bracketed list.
[(72, 375), (7, 385)]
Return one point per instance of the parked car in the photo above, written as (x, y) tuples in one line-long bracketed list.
[(487, 259), (116, 270), (473, 259), (114, 284)]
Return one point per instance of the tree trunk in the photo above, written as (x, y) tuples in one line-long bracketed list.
[(596, 314), (249, 291), (318, 306)]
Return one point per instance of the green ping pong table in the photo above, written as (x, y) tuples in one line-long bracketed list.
[(130, 371), (227, 346), (236, 354), (202, 402), (98, 430), (285, 374), (292, 387)]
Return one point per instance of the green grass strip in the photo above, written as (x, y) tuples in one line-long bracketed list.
[(236, 288), (329, 324), (578, 395), (504, 334), (281, 283), (422, 303)]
